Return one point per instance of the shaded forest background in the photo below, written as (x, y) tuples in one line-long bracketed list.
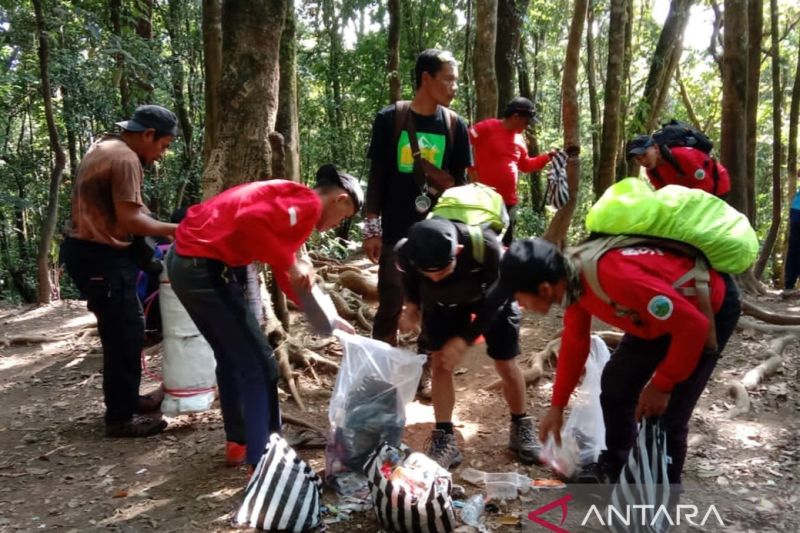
[(237, 72)]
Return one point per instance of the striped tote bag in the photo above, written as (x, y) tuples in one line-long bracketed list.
[(429, 509), (283, 493), (557, 193), (644, 482)]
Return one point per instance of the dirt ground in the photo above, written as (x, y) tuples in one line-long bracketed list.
[(59, 472)]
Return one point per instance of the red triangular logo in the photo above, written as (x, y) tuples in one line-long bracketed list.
[(562, 503)]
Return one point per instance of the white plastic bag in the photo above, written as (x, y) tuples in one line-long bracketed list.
[(189, 366), (583, 436), (368, 404)]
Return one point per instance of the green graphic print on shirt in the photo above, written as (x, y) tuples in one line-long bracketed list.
[(431, 147)]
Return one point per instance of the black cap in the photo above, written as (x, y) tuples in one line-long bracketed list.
[(525, 265), (521, 106), (432, 244), (329, 175), (154, 117), (639, 145)]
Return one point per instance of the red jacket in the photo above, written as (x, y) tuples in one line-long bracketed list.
[(698, 172), (264, 221), (639, 279), (499, 155)]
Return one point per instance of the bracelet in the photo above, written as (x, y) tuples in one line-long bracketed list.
[(371, 228)]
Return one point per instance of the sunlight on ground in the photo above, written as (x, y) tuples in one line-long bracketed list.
[(33, 313), (749, 434), (12, 361), (80, 321)]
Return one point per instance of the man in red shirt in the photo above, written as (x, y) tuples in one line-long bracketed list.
[(690, 167), (661, 365), (500, 153), (265, 221)]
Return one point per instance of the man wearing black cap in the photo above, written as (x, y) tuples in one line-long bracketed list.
[(446, 284), (500, 153), (663, 362), (395, 199), (107, 210), (679, 165), (265, 221)]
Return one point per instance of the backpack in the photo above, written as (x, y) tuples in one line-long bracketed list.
[(557, 193), (676, 133), (476, 206)]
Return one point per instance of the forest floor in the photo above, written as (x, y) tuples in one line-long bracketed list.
[(59, 472)]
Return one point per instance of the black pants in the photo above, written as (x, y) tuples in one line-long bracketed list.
[(792, 269), (390, 297), (107, 277), (630, 368), (247, 373), (508, 236)]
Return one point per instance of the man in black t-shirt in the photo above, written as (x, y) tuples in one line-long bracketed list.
[(393, 189), (445, 284)]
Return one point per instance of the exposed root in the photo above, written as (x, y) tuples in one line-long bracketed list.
[(303, 357), (364, 285), (342, 307), (753, 378), (289, 419), (769, 317), (361, 318), (746, 323), (536, 365)]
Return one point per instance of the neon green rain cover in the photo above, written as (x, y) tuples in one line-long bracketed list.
[(692, 216), (473, 204)]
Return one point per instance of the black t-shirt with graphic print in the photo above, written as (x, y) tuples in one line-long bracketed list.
[(392, 189)]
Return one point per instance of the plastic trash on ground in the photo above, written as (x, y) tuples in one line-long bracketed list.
[(499, 486)]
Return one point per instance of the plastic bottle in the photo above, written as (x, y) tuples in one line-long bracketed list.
[(472, 510)]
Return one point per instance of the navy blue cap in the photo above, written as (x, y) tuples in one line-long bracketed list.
[(432, 244), (639, 145), (154, 117)]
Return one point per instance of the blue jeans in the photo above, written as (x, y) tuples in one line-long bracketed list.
[(247, 373)]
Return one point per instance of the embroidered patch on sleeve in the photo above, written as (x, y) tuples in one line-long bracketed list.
[(660, 307)]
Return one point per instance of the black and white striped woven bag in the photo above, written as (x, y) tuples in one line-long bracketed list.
[(644, 482), (557, 193), (399, 511), (283, 493)]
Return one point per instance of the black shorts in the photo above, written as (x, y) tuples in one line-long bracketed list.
[(442, 322)]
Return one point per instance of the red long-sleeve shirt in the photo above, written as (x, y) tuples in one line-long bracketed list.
[(639, 279), (698, 172), (499, 154), (264, 221)]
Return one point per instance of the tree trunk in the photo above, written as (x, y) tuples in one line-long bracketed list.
[(212, 53), (510, 15), (393, 62), (525, 90), (594, 107), (622, 164), (614, 74), (734, 101), (115, 8), (662, 67), (777, 145), (755, 27), (288, 116), (466, 75), (248, 90), (483, 68), (557, 230), (49, 220)]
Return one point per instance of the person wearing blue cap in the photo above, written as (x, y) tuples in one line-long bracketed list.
[(445, 284), (107, 212)]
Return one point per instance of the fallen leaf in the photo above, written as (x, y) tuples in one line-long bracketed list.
[(120, 494)]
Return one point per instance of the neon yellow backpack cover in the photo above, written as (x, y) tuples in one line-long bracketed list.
[(693, 216)]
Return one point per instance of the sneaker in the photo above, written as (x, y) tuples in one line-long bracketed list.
[(150, 403), (235, 453), (425, 382), (137, 426), (592, 473), (522, 440), (443, 449)]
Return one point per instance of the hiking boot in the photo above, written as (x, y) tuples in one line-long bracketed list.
[(425, 383), (522, 440), (150, 403), (235, 453), (137, 426), (442, 448), (592, 473)]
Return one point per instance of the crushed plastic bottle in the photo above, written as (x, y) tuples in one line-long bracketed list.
[(472, 510)]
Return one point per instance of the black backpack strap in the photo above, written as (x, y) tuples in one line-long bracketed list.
[(401, 109)]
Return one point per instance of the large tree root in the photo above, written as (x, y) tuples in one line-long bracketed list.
[(536, 364), (746, 323), (753, 378), (748, 308)]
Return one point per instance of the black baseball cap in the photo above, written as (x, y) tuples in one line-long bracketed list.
[(154, 117), (526, 264), (330, 175), (432, 244), (521, 106), (639, 145)]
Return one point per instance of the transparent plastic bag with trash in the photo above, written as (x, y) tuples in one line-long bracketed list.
[(583, 436), (499, 486), (375, 383)]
